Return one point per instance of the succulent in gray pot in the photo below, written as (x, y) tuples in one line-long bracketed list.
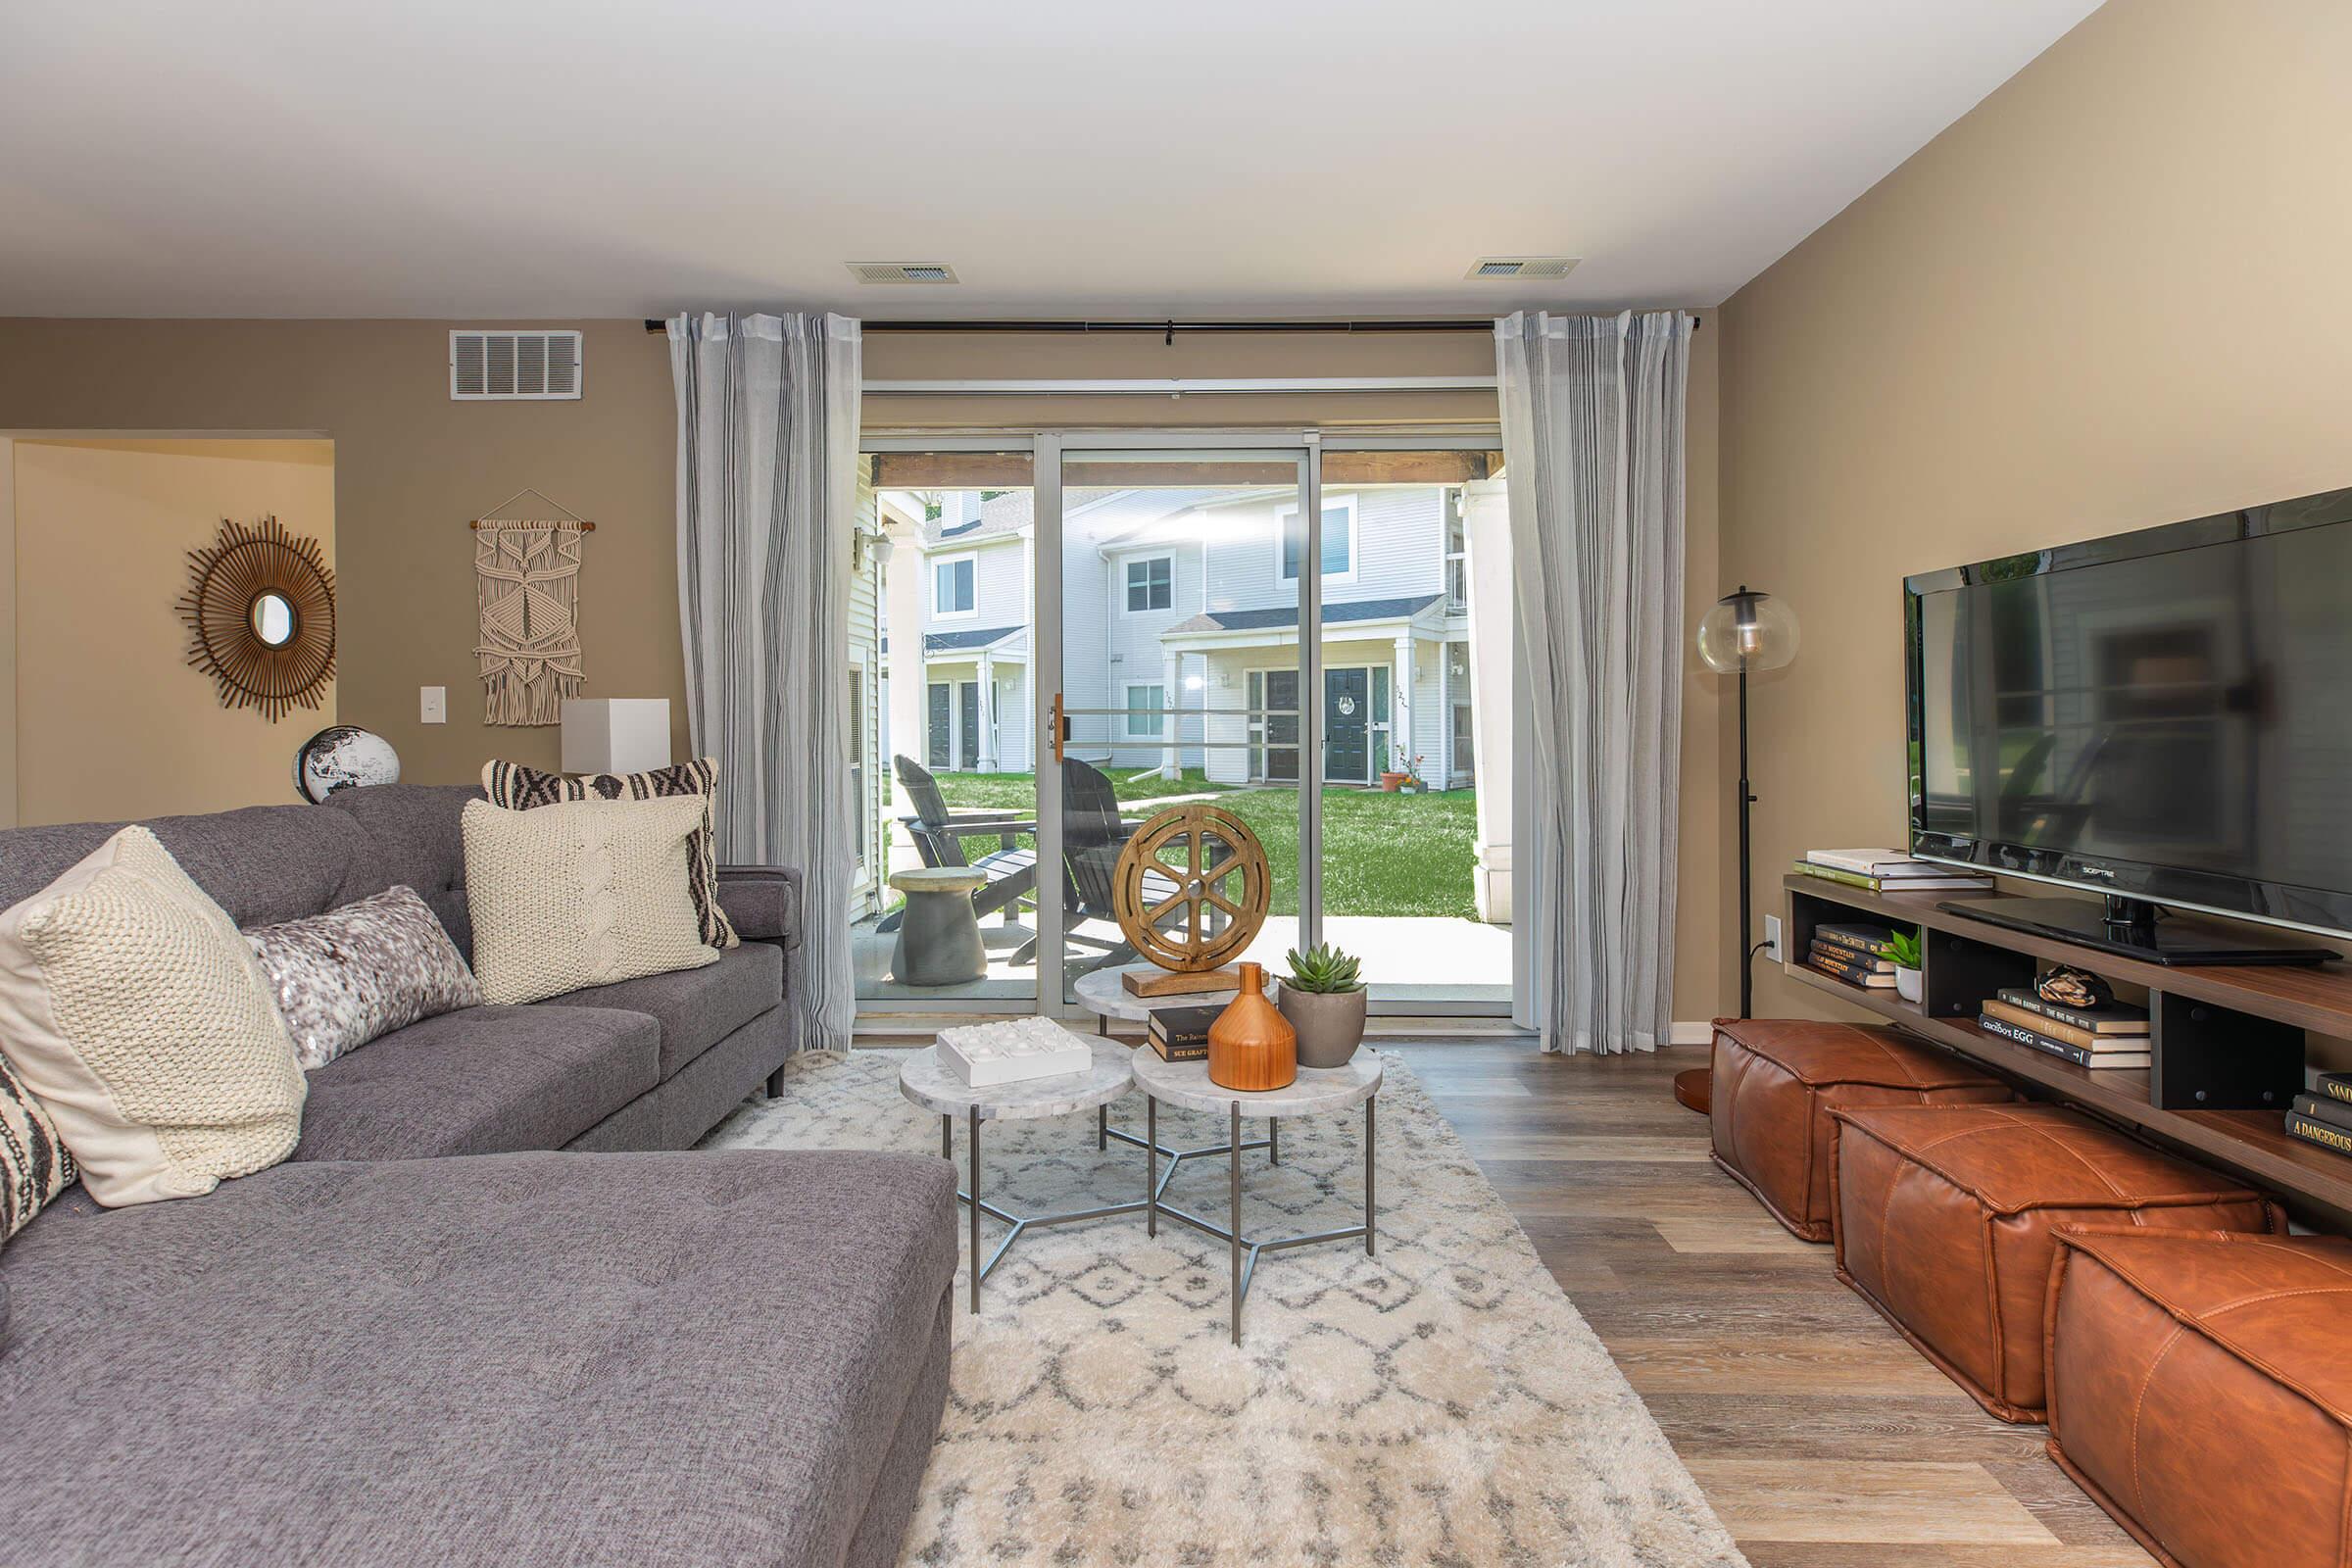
[(1324, 1000)]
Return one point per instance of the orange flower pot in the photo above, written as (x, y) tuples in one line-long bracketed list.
[(1252, 1045)]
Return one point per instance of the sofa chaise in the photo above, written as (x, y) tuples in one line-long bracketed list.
[(491, 1309)]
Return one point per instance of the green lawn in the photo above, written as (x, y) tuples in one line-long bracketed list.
[(1387, 854)]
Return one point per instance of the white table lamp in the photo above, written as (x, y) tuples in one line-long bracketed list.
[(615, 734)]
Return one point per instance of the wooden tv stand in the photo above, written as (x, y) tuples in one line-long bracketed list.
[(2227, 1041)]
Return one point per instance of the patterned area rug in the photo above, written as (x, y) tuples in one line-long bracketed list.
[(1442, 1403)]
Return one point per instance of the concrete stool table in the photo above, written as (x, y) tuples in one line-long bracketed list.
[(939, 935)]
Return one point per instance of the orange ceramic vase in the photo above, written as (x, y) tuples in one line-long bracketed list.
[(1252, 1045)]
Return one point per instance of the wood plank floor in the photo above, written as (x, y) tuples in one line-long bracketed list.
[(1819, 1436)]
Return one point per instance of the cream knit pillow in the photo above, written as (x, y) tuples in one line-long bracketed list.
[(581, 893), (130, 1006)]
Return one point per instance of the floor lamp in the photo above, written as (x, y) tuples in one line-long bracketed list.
[(1746, 630)]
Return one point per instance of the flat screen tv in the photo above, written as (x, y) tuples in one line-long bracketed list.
[(2162, 717)]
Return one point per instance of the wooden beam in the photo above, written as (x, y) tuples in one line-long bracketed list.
[(1011, 470)]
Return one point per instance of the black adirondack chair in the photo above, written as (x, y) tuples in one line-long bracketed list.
[(939, 838), (1093, 833)]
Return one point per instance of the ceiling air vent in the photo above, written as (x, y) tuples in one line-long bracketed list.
[(508, 367), (903, 271), (1525, 267)]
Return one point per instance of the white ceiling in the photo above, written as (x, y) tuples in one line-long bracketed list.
[(589, 158)]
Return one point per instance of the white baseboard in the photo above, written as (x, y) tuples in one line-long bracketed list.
[(1689, 1034)]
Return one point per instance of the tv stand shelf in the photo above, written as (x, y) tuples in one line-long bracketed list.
[(2228, 1041)]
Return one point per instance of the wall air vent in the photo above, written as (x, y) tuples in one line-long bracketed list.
[(1529, 268), (508, 366), (903, 271)]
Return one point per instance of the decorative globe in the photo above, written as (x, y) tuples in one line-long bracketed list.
[(343, 756)]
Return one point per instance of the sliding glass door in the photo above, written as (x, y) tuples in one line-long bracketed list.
[(942, 605), (1071, 632), (1182, 672)]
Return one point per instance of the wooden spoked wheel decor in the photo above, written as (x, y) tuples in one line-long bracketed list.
[(1190, 888), (261, 615)]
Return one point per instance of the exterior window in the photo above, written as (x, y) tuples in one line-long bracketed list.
[(955, 586), (1151, 584), (1146, 725), (1339, 541)]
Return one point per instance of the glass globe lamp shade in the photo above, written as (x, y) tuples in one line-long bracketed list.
[(1748, 630)]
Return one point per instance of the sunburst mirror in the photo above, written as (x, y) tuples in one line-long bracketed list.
[(261, 615)]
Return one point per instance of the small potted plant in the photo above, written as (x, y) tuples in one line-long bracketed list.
[(1902, 946), (1393, 778), (1324, 1000)]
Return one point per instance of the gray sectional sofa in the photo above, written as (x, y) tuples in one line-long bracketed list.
[(491, 1310)]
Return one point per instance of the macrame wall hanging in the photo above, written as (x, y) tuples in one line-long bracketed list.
[(528, 580)]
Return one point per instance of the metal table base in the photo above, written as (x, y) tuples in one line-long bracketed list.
[(977, 1206), (1244, 1267)]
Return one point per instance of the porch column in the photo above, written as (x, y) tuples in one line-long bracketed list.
[(988, 712), (1025, 759), (1487, 569), (1171, 678), (1400, 705), (903, 627)]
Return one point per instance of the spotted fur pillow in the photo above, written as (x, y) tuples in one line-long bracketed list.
[(34, 1162), (342, 978), (519, 788)]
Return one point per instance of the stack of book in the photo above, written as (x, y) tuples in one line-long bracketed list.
[(2098, 1038), (1181, 1034), (2324, 1117), (1856, 953), (1889, 871)]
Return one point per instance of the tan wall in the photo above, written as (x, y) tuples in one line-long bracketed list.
[(413, 468), (2111, 296), (111, 720)]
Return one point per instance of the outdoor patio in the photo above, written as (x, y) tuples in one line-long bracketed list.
[(1396, 874)]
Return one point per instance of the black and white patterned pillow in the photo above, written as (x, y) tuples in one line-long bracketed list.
[(342, 978), (519, 788), (35, 1163)]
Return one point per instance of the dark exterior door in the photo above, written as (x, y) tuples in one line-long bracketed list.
[(1348, 726), (967, 699), (936, 754)]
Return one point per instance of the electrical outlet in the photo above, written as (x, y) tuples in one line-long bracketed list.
[(1772, 938), (432, 705)]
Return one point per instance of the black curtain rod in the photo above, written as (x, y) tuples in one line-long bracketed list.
[(1169, 328)]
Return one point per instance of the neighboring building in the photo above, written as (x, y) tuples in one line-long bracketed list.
[(1181, 613)]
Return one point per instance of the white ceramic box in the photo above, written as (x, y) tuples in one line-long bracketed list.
[(1015, 1051)]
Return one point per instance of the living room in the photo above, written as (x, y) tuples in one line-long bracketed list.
[(574, 592)]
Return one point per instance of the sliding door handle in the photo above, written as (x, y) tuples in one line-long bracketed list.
[(1061, 728)]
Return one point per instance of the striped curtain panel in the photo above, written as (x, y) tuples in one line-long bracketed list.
[(767, 449), (1592, 463)]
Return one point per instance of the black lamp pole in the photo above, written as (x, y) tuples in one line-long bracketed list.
[(1746, 630), (1747, 951)]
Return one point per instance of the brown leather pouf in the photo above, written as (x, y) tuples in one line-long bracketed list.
[(2200, 1392), (1776, 1081), (1946, 1217)]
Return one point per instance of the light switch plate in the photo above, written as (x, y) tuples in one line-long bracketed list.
[(1772, 938), (432, 705)]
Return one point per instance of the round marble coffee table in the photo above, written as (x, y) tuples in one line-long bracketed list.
[(925, 1080), (1317, 1091), (1104, 993)]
